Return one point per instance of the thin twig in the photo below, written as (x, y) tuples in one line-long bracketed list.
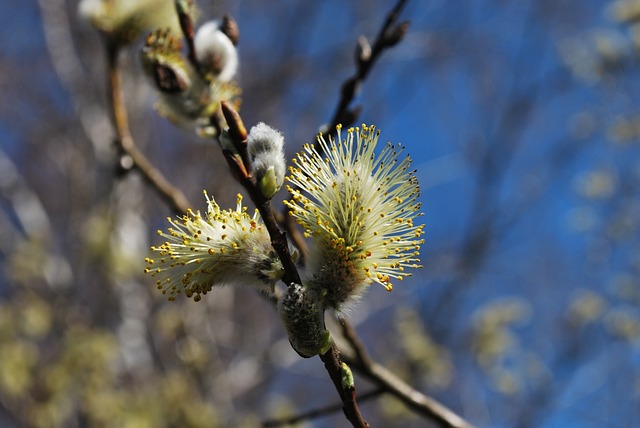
[(171, 194), (390, 383), (317, 413), (332, 363), (389, 35), (387, 383)]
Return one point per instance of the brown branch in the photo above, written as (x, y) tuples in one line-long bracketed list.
[(389, 35), (172, 195), (240, 165), (390, 383), (332, 363), (387, 383), (241, 169)]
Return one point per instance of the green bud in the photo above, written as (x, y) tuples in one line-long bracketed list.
[(347, 377), (268, 185), (266, 147)]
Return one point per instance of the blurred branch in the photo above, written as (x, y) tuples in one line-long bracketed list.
[(134, 158), (33, 219), (388, 382), (317, 413), (64, 58)]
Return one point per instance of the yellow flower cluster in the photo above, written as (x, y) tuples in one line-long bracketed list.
[(226, 247), (358, 209)]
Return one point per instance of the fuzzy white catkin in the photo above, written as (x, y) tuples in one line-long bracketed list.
[(215, 51), (266, 147)]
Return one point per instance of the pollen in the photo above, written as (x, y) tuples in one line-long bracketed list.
[(211, 250), (358, 205)]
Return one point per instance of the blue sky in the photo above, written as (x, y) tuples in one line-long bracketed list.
[(442, 93)]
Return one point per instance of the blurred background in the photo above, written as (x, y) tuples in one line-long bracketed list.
[(523, 121)]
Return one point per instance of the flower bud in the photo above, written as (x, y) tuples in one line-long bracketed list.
[(346, 377), (302, 315), (229, 27), (266, 148), (186, 97), (125, 20), (215, 52)]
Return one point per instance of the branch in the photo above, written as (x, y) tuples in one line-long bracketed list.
[(240, 164), (387, 383), (390, 383), (172, 195), (241, 169), (366, 56), (332, 363)]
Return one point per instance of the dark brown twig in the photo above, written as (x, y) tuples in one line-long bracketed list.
[(186, 25), (333, 364), (172, 195), (241, 169), (390, 34), (387, 383), (236, 159)]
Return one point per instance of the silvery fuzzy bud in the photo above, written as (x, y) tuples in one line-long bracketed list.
[(302, 315), (266, 148), (215, 52)]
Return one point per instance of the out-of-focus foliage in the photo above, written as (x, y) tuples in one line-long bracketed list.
[(523, 121)]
